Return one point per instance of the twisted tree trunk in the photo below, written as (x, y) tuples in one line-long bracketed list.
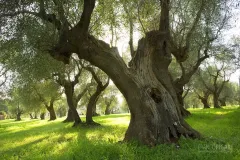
[(69, 117), (223, 102), (146, 85), (18, 116), (42, 116), (205, 103), (179, 92), (51, 112), (94, 111), (30, 114), (204, 99), (35, 115), (215, 100), (19, 113), (107, 110), (93, 101), (72, 112)]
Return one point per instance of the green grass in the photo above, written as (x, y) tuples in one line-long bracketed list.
[(43, 140)]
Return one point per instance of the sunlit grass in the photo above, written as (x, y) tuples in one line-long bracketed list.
[(36, 139)]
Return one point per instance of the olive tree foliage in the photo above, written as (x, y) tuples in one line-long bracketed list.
[(152, 98)]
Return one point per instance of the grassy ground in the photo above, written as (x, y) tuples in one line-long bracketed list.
[(43, 140)]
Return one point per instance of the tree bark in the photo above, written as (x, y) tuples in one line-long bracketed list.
[(91, 108), (179, 92), (205, 103), (72, 104), (92, 104), (107, 110), (223, 102), (204, 99), (215, 100), (35, 115), (18, 116), (30, 114), (69, 117), (51, 112), (94, 111), (42, 116), (147, 87), (146, 84), (19, 113)]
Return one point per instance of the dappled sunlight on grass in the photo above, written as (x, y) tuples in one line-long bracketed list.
[(60, 141), (222, 113), (117, 121)]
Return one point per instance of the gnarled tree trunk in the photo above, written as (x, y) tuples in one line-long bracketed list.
[(146, 85), (72, 112), (69, 116), (223, 102), (215, 100), (93, 101), (204, 99), (18, 116), (94, 111), (51, 112), (42, 116), (30, 114), (19, 113), (205, 103), (35, 115), (107, 110), (179, 92)]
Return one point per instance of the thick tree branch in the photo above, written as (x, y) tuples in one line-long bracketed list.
[(164, 17), (84, 22), (130, 19), (41, 14), (196, 20), (186, 93)]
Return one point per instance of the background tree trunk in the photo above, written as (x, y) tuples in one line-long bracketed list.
[(222, 102), (72, 104), (179, 92), (18, 116), (94, 111), (107, 110), (69, 116), (35, 115), (215, 100), (30, 114), (42, 116), (205, 103), (91, 104), (52, 113)]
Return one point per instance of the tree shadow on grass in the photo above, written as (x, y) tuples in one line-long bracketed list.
[(100, 142)]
